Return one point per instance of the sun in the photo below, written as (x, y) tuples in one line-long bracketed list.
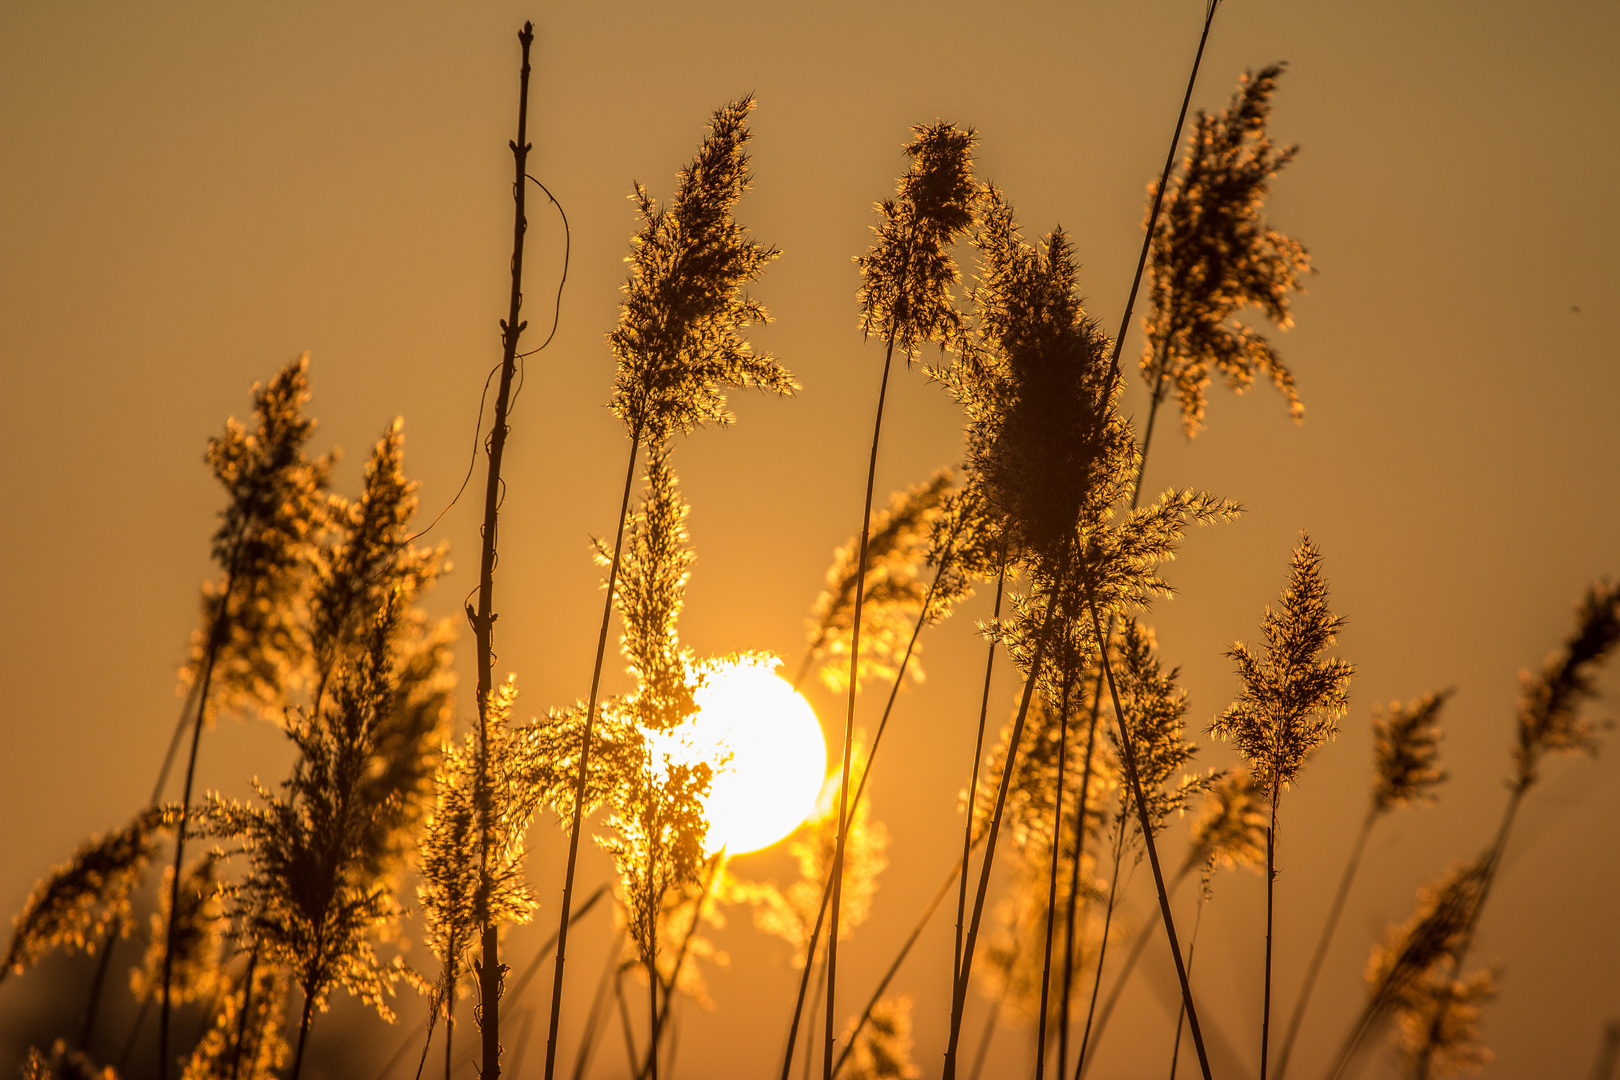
[(778, 755)]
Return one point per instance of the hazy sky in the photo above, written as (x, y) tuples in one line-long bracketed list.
[(191, 195)]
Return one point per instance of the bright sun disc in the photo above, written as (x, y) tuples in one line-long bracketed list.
[(778, 756)]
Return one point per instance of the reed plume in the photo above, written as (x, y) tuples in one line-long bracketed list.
[(459, 889), (896, 550), (1550, 721), (1051, 458), (679, 346), (312, 900), (1406, 748), (1286, 709), (881, 1049), (364, 557), (196, 941), (246, 1040), (1214, 254), (251, 643), (84, 903), (1402, 971), (792, 913), (905, 299)]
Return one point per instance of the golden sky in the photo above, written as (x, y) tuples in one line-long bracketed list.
[(192, 195)]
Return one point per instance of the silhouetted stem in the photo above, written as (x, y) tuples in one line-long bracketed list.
[(242, 1017), (1271, 889), (849, 719), (652, 1015), (860, 790), (1074, 880), (1138, 947), (1181, 1014), (1328, 927), (888, 976), (584, 763), (624, 1021), (959, 992), (490, 969), (1493, 862), (216, 638), (1147, 826), (303, 1036), (661, 1017), (1102, 953), (1051, 887), (96, 982), (1164, 181), (973, 778)]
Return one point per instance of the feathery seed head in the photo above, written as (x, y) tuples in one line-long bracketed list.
[(1230, 829), (1550, 701), (1406, 751), (1290, 699), (1047, 450), (882, 1051), (265, 543), (1214, 254), (893, 597), (1408, 973), (79, 902), (906, 276), (679, 342)]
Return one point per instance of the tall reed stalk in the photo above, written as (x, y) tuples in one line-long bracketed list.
[(679, 344), (490, 969), (906, 300), (1405, 749)]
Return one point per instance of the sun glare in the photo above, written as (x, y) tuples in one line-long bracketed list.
[(778, 756)]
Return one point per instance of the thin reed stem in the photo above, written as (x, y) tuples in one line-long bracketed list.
[(973, 778), (652, 1015), (1181, 1014), (1271, 890), (242, 1017), (303, 1036), (860, 790), (1138, 947), (624, 1020), (1493, 862), (1051, 887), (490, 970), (662, 1016), (216, 639), (894, 967), (1102, 953), (1317, 957), (1147, 828), (849, 720), (959, 991), (1074, 879), (1158, 194), (584, 763)]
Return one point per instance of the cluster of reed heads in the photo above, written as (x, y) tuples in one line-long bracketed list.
[(392, 826)]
